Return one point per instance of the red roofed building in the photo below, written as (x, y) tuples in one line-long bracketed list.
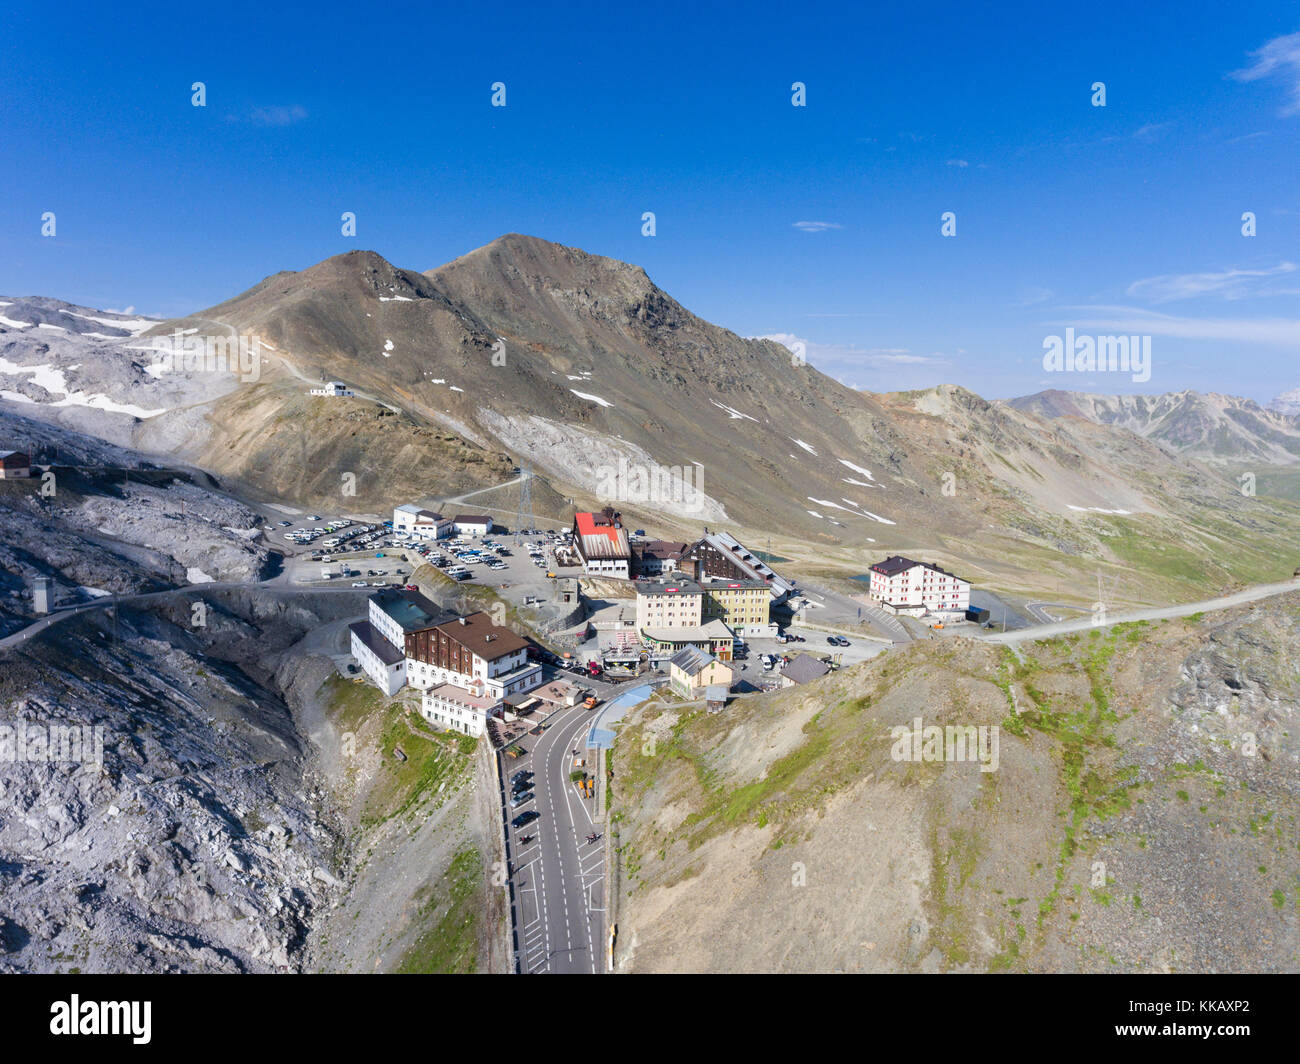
[(602, 544)]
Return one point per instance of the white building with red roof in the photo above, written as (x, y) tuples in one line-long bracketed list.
[(602, 544)]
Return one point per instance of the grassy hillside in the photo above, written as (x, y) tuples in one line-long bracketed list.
[(783, 835)]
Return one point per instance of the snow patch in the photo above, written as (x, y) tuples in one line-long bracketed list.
[(850, 509), (734, 413), (52, 380), (805, 446), (591, 398), (134, 326), (857, 469)]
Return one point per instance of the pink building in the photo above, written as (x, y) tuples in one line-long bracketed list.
[(901, 585)]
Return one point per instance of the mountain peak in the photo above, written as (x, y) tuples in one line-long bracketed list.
[(537, 257)]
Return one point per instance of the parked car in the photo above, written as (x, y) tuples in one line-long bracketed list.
[(526, 817), (360, 583), (522, 774)]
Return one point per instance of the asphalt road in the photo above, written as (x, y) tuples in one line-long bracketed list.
[(557, 880), (1238, 598)]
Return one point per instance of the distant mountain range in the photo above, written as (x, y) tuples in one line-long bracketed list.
[(1203, 426), (1287, 403), (527, 351)]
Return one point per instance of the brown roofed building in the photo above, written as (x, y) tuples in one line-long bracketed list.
[(14, 465), (655, 556), (471, 651)]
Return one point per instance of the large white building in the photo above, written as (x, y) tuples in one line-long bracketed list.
[(379, 642), (378, 658), (471, 525), (467, 667), (901, 585), (414, 521), (471, 650), (396, 611)]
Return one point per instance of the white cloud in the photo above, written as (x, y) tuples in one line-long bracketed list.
[(817, 227), (1270, 331), (845, 355), (1228, 284), (1279, 58), (957, 162)]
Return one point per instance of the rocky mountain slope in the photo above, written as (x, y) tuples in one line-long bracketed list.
[(102, 519), (1141, 814), (245, 812), (193, 845)]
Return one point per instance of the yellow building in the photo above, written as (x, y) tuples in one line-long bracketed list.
[(691, 670), (744, 606)]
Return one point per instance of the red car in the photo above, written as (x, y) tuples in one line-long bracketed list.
[(412, 587)]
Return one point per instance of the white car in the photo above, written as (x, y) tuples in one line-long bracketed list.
[(359, 583)]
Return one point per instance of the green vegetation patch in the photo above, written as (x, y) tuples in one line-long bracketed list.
[(448, 916)]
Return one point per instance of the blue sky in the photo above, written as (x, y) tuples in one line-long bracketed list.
[(1105, 219)]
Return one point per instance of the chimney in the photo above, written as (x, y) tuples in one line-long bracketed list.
[(462, 620)]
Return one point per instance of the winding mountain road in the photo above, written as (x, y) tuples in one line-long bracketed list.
[(1225, 602), (23, 635)]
